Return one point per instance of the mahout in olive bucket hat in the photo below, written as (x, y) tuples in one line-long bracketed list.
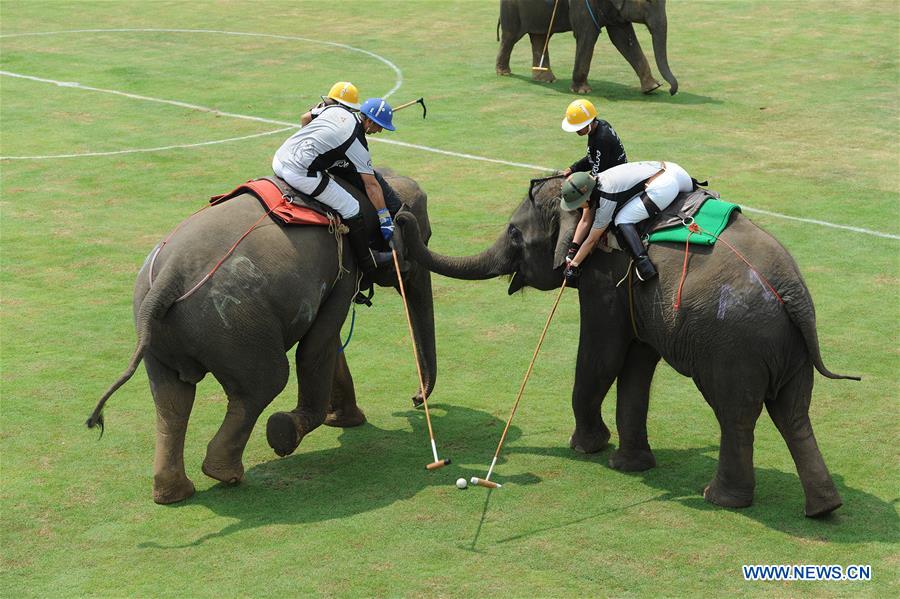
[(576, 189)]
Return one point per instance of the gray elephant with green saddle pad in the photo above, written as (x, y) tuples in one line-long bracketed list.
[(746, 335), (282, 286)]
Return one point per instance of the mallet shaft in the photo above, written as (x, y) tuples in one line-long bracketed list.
[(525, 380), (407, 104), (540, 66), (412, 339)]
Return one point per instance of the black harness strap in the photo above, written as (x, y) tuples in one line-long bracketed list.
[(652, 208), (321, 186)]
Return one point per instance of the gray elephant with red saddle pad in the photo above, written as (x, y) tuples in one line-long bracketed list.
[(745, 333), (282, 286)]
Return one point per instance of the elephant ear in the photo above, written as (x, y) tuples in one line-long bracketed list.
[(567, 222)]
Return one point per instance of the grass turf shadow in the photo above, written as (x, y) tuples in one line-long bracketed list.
[(617, 92), (681, 475), (372, 468)]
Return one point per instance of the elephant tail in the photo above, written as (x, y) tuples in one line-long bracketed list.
[(805, 319), (154, 306), (498, 29)]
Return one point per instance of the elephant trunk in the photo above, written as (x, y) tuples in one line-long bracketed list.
[(491, 263), (659, 31), (421, 313)]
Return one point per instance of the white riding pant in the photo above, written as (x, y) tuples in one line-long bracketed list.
[(661, 192), (333, 195)]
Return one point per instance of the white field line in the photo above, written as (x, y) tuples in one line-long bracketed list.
[(395, 68), (156, 149), (422, 148)]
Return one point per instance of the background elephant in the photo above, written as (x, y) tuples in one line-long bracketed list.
[(585, 18), (731, 335), (282, 286)]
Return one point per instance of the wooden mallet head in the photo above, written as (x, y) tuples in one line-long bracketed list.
[(483, 482), (437, 464)]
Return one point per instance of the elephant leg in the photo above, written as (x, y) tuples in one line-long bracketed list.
[(537, 48), (507, 41), (317, 355), (626, 42), (737, 403), (585, 41), (789, 411), (632, 401), (343, 411), (249, 392), (174, 399)]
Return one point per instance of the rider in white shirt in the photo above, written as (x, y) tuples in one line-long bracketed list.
[(625, 194), (338, 134)]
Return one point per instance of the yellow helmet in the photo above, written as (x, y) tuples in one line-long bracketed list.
[(345, 93), (579, 115)]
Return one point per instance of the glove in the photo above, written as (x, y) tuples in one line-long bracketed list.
[(573, 249), (573, 274), (386, 224)]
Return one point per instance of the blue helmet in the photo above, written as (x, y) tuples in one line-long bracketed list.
[(379, 111)]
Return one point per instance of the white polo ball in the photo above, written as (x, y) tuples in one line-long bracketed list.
[(461, 483)]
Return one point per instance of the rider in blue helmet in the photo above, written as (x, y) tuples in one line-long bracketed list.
[(379, 112)]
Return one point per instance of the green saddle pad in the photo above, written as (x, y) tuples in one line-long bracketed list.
[(713, 216)]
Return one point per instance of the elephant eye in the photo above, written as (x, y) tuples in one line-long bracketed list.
[(515, 234)]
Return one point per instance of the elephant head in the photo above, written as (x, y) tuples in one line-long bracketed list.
[(531, 249)]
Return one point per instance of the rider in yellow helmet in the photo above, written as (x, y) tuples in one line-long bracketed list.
[(604, 151), (342, 92)]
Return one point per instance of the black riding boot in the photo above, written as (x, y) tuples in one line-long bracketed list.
[(359, 243), (642, 265)]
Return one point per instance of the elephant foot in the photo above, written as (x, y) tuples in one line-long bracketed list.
[(281, 433), (650, 86), (171, 488), (543, 76), (632, 460), (230, 474), (823, 502), (716, 494), (581, 89), (589, 443), (504, 71), (345, 418)]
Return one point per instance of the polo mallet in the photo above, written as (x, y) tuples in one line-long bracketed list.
[(408, 104), (437, 463), (486, 481), (541, 66)]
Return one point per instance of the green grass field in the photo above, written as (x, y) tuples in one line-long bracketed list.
[(788, 107)]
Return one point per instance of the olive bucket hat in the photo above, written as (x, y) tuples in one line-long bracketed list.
[(576, 189)]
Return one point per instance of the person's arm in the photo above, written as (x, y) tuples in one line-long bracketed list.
[(305, 119), (602, 215), (580, 166), (376, 196), (588, 246), (583, 226), (373, 190)]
